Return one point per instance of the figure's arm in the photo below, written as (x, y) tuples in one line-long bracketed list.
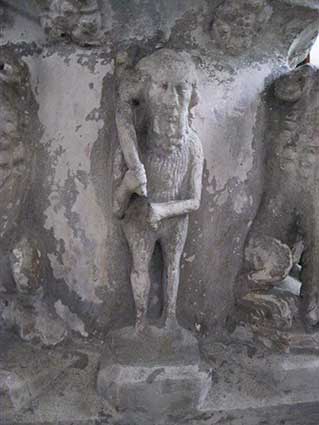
[(128, 91), (175, 208), (125, 184), (124, 192)]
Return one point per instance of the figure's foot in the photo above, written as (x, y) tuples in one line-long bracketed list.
[(141, 326), (171, 323)]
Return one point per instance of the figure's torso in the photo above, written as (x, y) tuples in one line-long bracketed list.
[(167, 172)]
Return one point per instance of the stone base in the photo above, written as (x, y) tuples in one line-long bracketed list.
[(156, 373)]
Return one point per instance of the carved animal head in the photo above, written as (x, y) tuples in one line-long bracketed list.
[(61, 18), (170, 94)]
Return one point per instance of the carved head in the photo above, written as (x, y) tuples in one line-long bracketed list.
[(79, 20), (61, 18), (170, 93), (236, 23)]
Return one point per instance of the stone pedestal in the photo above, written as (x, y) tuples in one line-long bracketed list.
[(155, 373)]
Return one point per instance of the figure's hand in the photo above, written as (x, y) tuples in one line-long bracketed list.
[(156, 214), (135, 181)]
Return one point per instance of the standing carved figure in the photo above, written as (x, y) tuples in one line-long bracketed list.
[(284, 233), (157, 170)]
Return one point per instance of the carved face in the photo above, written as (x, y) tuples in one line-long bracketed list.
[(168, 102), (234, 35), (169, 95), (236, 24), (62, 17)]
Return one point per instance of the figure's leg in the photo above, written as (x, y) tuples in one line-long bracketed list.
[(141, 246), (172, 243)]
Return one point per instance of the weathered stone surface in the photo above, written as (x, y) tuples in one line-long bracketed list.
[(58, 192), (78, 21), (155, 373), (235, 26), (27, 372), (284, 231)]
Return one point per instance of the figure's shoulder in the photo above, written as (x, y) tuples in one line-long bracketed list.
[(195, 144)]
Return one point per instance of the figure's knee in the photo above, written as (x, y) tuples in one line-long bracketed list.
[(140, 269)]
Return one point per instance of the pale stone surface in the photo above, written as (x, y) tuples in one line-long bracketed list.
[(157, 372), (58, 169)]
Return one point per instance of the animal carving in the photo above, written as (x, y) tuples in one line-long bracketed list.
[(285, 230)]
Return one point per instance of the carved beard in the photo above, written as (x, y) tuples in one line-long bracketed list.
[(166, 171), (168, 134)]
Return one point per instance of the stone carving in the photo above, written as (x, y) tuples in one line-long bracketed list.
[(158, 168), (283, 240), (15, 159), (76, 20), (236, 24), (21, 265), (157, 183)]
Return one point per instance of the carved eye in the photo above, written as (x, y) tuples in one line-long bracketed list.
[(164, 86), (1, 66)]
